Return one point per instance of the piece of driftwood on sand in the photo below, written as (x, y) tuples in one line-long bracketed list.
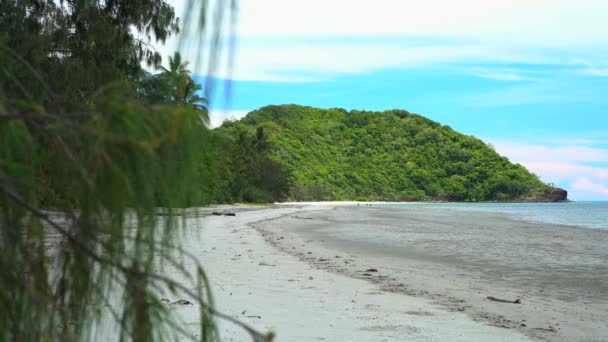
[(517, 301)]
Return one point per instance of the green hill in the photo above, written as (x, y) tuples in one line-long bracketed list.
[(394, 155)]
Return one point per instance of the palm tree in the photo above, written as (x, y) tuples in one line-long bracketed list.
[(180, 87), (183, 89)]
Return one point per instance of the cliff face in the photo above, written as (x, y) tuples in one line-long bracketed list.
[(548, 195), (554, 195)]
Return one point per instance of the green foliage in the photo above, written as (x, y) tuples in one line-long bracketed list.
[(392, 155), (174, 85), (122, 159), (76, 47), (94, 164), (236, 168)]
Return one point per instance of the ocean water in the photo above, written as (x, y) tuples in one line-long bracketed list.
[(581, 214)]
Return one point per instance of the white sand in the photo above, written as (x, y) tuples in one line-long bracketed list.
[(275, 291)]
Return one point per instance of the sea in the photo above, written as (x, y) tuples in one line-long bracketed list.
[(592, 214)]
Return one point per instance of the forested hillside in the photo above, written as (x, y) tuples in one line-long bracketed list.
[(334, 154)]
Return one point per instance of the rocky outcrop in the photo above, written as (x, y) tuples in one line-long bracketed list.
[(548, 195), (555, 195)]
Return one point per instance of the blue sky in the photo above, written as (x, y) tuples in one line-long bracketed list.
[(529, 77)]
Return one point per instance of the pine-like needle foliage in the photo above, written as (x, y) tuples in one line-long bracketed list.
[(103, 177), (86, 161)]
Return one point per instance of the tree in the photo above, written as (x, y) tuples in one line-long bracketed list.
[(76, 47), (174, 85), (183, 88), (85, 162)]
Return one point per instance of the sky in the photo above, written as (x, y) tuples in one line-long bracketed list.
[(528, 77)]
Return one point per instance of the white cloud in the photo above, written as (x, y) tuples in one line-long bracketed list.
[(561, 172), (541, 153), (589, 68), (486, 31), (603, 72), (510, 74), (502, 76), (550, 22), (217, 117), (304, 61), (577, 141), (326, 60), (585, 184), (563, 164)]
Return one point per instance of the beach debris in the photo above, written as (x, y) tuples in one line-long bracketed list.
[(549, 328), (182, 302), (265, 264), (517, 301), (371, 270), (219, 213), (367, 274), (250, 316)]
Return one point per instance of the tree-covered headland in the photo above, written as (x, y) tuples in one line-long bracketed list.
[(394, 155)]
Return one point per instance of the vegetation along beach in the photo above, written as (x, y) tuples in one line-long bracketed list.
[(273, 170)]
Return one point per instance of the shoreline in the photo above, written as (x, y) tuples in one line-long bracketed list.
[(275, 290), (432, 276), (508, 215)]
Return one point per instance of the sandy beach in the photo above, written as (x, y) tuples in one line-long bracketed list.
[(296, 271), (458, 259)]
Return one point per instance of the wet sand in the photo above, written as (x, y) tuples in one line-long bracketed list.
[(457, 259)]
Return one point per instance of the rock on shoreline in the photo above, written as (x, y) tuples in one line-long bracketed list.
[(549, 195)]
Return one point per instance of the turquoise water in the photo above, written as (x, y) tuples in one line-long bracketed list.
[(582, 214)]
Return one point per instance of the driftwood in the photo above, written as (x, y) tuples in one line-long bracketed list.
[(217, 213), (265, 264), (517, 301)]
